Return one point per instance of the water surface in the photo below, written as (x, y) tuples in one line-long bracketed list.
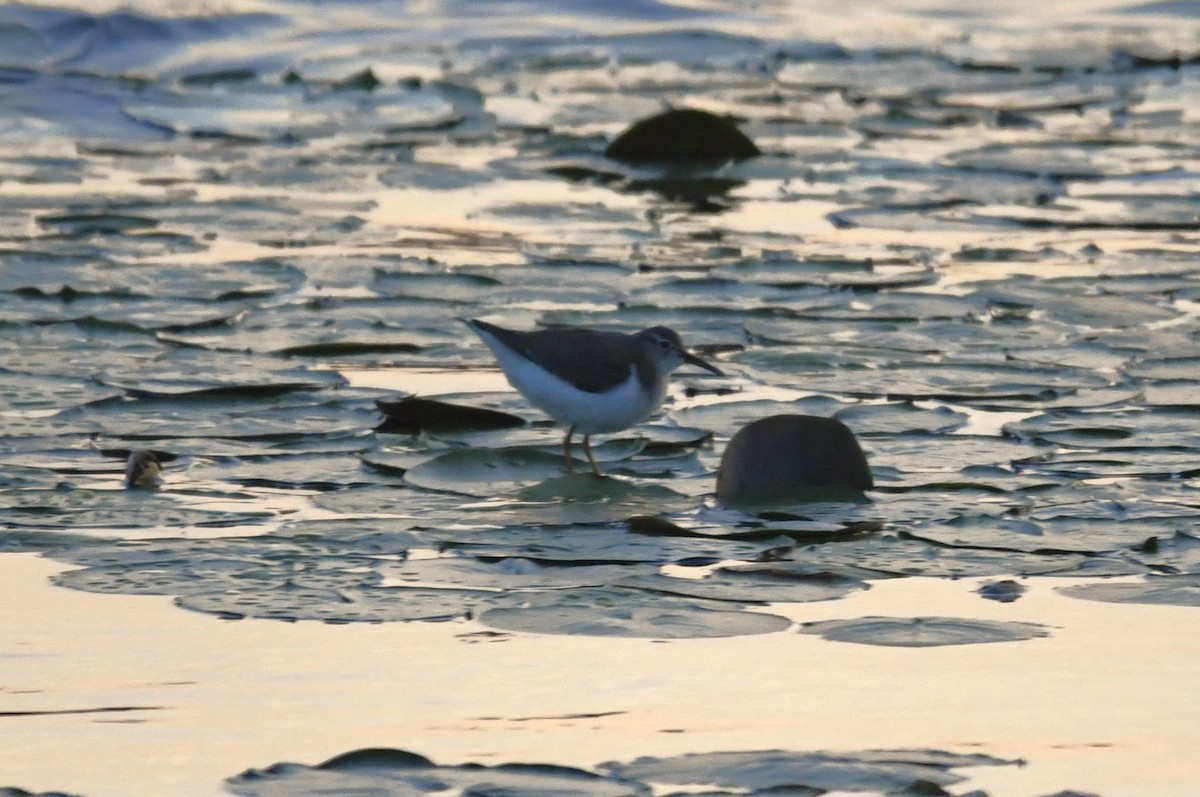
[(228, 232)]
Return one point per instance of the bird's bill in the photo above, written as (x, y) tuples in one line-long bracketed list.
[(692, 359)]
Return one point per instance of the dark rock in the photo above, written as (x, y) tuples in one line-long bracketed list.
[(682, 134), (792, 457)]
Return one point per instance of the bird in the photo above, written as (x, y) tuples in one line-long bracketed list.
[(590, 381), (142, 470)]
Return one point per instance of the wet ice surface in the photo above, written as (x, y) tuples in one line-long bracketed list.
[(978, 250)]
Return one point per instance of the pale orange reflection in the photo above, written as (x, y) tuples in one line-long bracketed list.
[(1105, 704)]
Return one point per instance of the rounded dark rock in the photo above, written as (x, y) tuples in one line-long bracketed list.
[(791, 457), (682, 134)]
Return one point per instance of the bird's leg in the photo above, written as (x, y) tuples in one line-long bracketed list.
[(567, 450), (587, 449)]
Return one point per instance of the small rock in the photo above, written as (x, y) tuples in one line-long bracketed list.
[(682, 134), (1005, 591), (791, 457)]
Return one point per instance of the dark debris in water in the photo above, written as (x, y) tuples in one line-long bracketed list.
[(413, 415), (1004, 591)]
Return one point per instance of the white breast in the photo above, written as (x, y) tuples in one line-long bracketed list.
[(589, 413)]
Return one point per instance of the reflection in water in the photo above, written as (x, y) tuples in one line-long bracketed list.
[(218, 688)]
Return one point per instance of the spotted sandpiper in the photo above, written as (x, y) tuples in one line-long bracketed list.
[(588, 380)]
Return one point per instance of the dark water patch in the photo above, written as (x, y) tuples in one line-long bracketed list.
[(217, 77), (228, 392), (347, 348), (31, 168), (770, 526), (98, 710), (84, 224), (922, 632), (394, 463)]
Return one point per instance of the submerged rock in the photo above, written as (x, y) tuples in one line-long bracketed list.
[(792, 457), (682, 134)]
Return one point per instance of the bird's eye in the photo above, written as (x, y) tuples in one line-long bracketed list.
[(663, 343)]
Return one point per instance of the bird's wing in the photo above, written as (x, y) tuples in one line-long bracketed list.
[(597, 361)]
